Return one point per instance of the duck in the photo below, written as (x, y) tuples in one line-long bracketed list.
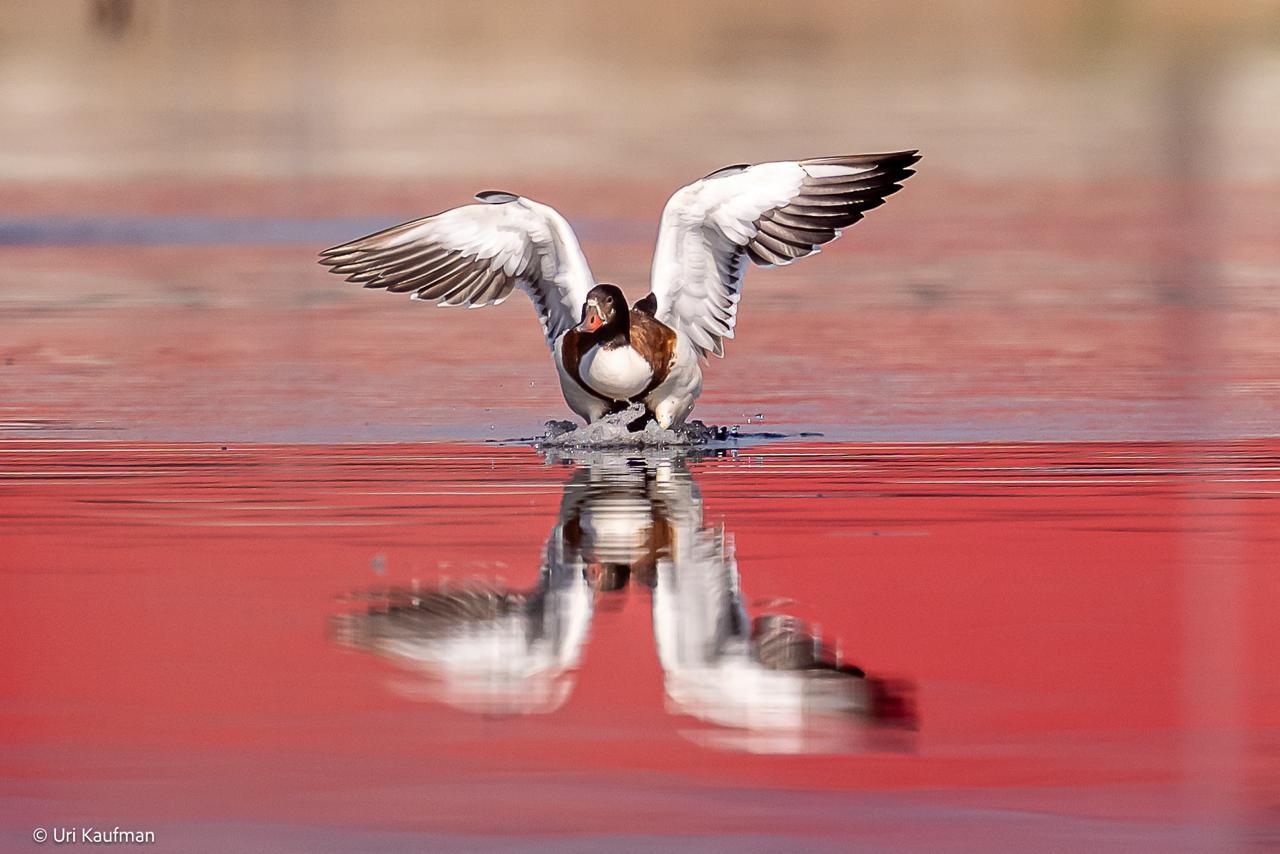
[(610, 355)]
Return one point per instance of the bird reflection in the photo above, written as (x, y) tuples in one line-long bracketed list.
[(488, 649), (766, 683)]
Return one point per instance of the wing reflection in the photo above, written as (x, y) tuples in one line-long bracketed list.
[(766, 683), (485, 648)]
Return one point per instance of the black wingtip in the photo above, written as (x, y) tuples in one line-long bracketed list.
[(728, 170), (334, 255), (899, 159), (496, 197)]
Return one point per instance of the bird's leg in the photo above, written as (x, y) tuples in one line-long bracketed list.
[(638, 424)]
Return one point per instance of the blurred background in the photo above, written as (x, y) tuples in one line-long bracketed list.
[(1088, 251)]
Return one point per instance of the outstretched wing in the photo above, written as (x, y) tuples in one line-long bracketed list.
[(476, 255), (772, 214)]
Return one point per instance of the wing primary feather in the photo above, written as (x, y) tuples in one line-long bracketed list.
[(906, 158), (443, 280), (402, 279), (814, 187), (474, 285), (499, 284), (798, 236), (461, 284), (475, 255), (768, 215), (763, 256), (789, 217), (432, 275), (816, 201), (381, 242), (831, 213), (399, 284), (491, 283), (777, 247)]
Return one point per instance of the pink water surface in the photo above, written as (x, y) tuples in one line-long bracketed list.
[(1087, 631)]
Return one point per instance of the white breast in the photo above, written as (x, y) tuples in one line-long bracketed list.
[(620, 373)]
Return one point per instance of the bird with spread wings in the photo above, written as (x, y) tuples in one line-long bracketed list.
[(609, 355)]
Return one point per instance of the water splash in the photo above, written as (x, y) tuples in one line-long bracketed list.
[(613, 431)]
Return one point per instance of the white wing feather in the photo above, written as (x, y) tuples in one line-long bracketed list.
[(476, 255), (771, 213)]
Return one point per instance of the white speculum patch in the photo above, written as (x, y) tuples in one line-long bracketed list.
[(620, 373)]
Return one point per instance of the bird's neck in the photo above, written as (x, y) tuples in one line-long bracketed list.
[(616, 333)]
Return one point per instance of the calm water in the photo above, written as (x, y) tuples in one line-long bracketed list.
[(267, 587), (391, 647)]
